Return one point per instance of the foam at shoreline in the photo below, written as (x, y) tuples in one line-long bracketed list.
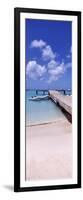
[(48, 122)]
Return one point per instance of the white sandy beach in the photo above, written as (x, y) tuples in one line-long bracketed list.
[(49, 151)]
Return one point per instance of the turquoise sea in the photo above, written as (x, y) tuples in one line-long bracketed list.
[(41, 111)]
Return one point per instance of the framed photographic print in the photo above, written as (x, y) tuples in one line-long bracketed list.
[(47, 99)]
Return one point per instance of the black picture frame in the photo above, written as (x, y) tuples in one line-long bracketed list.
[(17, 12)]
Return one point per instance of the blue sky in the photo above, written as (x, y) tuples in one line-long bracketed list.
[(48, 54)]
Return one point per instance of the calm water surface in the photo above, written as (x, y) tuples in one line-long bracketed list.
[(41, 111)]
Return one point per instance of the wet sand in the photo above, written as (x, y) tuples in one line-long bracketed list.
[(49, 151)]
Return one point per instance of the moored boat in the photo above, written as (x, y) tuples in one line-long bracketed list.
[(38, 98)]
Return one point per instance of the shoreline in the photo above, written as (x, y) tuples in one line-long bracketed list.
[(48, 122)]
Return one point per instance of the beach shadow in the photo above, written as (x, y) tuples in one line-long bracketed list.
[(9, 187)]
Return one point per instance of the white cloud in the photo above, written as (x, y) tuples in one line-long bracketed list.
[(38, 44), (46, 50), (34, 70), (54, 69), (47, 53), (52, 64), (51, 79), (55, 72)]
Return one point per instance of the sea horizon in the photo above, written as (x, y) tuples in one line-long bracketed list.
[(48, 89)]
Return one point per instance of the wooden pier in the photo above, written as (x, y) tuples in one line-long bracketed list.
[(65, 102)]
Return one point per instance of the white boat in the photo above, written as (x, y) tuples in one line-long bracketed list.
[(38, 98)]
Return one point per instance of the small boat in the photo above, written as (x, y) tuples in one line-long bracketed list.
[(38, 98)]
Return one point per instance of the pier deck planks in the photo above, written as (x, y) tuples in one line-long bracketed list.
[(64, 101)]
